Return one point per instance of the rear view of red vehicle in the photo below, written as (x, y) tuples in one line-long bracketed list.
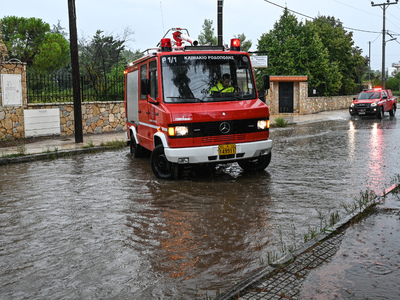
[(196, 105)]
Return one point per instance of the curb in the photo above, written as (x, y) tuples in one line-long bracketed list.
[(50, 155), (336, 229)]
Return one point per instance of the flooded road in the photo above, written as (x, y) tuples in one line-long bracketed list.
[(103, 226)]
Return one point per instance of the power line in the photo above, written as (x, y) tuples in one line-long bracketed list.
[(313, 18)]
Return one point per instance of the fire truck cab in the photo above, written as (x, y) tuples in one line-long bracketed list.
[(176, 109)]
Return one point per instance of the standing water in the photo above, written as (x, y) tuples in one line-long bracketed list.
[(102, 226)]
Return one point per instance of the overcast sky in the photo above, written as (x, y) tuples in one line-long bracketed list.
[(150, 19)]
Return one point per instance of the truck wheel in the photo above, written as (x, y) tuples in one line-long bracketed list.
[(137, 151), (380, 112), (392, 112), (255, 164), (161, 167)]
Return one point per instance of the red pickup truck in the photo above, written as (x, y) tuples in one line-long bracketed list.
[(374, 102)]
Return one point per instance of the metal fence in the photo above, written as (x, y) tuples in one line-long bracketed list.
[(56, 88)]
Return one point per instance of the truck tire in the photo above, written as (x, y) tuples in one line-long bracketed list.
[(160, 165), (137, 151), (380, 112), (392, 112), (255, 164)]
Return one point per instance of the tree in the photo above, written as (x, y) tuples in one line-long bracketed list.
[(29, 40), (295, 48), (244, 45), (393, 83), (340, 45), (3, 48), (23, 37), (53, 54), (207, 34), (101, 60)]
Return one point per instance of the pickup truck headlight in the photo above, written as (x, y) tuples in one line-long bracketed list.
[(262, 124), (352, 105), (178, 131), (374, 104)]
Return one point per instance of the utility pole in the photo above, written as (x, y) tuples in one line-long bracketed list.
[(369, 66), (219, 23), (384, 6), (73, 40)]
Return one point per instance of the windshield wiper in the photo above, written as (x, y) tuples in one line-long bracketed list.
[(185, 98)]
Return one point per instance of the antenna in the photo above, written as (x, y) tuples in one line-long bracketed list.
[(162, 18)]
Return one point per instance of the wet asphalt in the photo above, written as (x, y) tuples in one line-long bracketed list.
[(355, 259)]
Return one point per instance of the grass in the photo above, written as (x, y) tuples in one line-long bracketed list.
[(280, 122), (363, 205)]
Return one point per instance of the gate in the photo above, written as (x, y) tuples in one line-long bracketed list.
[(285, 97)]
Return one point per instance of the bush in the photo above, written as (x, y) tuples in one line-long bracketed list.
[(280, 122)]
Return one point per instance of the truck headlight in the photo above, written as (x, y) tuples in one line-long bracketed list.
[(352, 105), (178, 131), (374, 104), (262, 124)]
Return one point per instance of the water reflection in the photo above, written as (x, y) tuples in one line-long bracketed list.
[(197, 232)]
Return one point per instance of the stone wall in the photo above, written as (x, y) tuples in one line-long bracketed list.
[(12, 117), (302, 104), (97, 117)]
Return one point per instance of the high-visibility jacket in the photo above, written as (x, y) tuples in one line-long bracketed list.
[(220, 88)]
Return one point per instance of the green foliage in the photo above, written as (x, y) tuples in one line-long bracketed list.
[(321, 49), (23, 36), (280, 122), (31, 41), (393, 83), (101, 60), (207, 34), (53, 53), (341, 49)]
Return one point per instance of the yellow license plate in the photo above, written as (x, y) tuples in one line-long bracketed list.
[(227, 149)]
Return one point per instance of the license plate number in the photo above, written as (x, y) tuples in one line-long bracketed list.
[(227, 149), (361, 111)]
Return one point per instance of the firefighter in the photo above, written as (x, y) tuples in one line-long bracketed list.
[(224, 85)]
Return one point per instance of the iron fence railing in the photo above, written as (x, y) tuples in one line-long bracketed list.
[(56, 88)]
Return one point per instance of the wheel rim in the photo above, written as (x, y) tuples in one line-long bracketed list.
[(162, 165)]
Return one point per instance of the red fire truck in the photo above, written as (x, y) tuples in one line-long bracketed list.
[(178, 108)]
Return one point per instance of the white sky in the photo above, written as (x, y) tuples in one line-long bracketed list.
[(150, 19)]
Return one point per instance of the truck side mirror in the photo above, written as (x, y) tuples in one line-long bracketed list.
[(145, 86), (267, 84)]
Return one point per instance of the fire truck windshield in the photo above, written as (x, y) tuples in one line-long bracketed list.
[(200, 78)]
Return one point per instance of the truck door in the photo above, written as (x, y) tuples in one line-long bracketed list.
[(385, 101), (143, 130)]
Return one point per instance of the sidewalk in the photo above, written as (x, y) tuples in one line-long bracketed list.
[(358, 260), (62, 144)]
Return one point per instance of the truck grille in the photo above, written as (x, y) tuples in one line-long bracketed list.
[(224, 138), (362, 105)]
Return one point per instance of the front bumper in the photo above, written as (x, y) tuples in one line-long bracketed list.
[(209, 154), (364, 110)]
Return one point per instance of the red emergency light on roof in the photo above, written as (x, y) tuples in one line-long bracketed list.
[(235, 44), (166, 45), (377, 89)]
